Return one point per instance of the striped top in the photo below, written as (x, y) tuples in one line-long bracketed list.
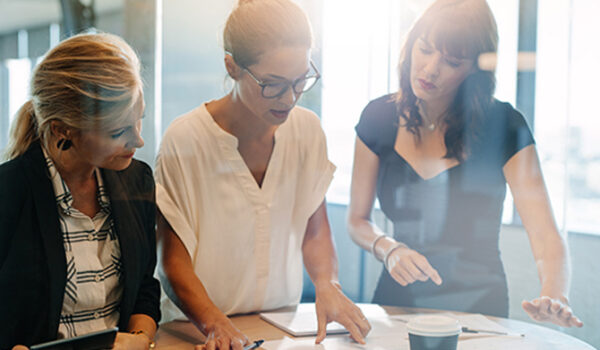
[(93, 290)]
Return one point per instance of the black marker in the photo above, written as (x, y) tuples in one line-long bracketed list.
[(254, 345)]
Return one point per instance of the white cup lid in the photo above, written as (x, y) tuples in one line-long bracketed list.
[(433, 326)]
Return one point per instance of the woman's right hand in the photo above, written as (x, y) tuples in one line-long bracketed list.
[(407, 266), (223, 335), (128, 341)]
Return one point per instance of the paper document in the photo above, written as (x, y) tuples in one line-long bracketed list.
[(328, 344), (471, 321), (288, 343), (302, 322)]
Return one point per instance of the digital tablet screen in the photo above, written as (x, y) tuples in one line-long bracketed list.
[(92, 341)]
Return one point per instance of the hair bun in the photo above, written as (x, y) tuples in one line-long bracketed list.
[(255, 26)]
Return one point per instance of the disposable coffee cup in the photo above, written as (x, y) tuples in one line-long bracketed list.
[(433, 332)]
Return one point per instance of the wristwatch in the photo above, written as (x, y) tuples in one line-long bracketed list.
[(152, 344)]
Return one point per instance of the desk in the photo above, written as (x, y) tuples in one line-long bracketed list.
[(183, 335)]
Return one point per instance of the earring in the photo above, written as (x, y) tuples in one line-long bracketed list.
[(64, 144), (67, 145)]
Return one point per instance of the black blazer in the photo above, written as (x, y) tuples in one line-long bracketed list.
[(32, 256)]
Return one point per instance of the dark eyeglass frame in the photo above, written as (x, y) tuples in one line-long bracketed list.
[(288, 83)]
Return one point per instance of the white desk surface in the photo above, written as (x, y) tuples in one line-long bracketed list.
[(184, 335)]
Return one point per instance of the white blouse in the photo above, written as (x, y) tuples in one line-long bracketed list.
[(244, 240)]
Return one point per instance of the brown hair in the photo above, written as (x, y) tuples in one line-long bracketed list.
[(254, 26), (86, 82), (461, 28)]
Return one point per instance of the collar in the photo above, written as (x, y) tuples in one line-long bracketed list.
[(63, 197)]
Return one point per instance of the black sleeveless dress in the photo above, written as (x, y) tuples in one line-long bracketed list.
[(453, 218)]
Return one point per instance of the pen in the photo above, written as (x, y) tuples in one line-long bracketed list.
[(254, 345), (469, 330)]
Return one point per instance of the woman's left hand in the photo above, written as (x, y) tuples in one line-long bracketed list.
[(127, 341), (333, 305), (557, 311)]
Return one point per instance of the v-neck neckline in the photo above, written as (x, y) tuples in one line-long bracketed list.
[(413, 169), (229, 145), (422, 178)]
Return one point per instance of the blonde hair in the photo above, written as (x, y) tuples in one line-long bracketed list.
[(255, 26), (87, 82)]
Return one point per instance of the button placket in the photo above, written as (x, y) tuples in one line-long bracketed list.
[(262, 257)]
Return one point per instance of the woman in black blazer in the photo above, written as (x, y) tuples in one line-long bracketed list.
[(71, 187)]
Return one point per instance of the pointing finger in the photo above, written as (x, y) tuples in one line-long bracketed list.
[(431, 272)]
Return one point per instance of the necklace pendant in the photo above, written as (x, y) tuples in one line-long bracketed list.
[(431, 127)]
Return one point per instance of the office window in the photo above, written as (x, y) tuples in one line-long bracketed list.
[(567, 117), (19, 72)]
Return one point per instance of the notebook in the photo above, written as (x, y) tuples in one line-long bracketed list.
[(300, 323)]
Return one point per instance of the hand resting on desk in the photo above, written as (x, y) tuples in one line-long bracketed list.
[(546, 309), (127, 341), (223, 335), (333, 305)]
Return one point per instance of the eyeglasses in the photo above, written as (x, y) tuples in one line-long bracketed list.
[(276, 89)]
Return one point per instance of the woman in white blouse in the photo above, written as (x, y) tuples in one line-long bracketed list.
[(241, 185)]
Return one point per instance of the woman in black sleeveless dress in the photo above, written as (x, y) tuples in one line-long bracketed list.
[(438, 154)]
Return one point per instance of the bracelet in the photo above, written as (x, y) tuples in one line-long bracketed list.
[(374, 244), (389, 252), (152, 344)]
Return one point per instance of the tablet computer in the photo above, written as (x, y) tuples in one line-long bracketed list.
[(100, 340)]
